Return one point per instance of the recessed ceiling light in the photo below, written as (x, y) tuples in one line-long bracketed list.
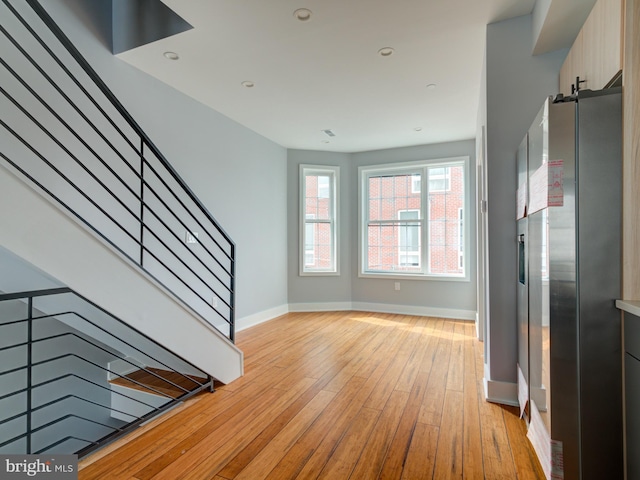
[(418, 129), (386, 51), (325, 141), (328, 132), (248, 84), (431, 86), (171, 55), (302, 14)]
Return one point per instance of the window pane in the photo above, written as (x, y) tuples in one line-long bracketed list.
[(317, 199), (388, 194), (446, 224), (394, 247)]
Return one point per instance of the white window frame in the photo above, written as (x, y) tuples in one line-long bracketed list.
[(333, 172), (408, 168)]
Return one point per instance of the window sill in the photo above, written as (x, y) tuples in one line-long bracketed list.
[(319, 274), (413, 276)]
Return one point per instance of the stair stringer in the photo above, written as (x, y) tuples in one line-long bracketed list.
[(45, 236)]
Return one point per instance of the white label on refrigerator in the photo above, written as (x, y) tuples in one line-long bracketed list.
[(556, 178), (546, 186)]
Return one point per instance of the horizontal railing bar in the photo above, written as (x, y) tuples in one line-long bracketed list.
[(61, 399), (68, 437), (72, 415), (34, 293)]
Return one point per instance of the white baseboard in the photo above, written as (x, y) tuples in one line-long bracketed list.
[(260, 317), (415, 310), (320, 307), (505, 393), (266, 315)]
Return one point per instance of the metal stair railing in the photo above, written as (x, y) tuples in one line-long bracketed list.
[(56, 347), (68, 134)]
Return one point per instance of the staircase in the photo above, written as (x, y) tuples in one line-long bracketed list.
[(89, 205)]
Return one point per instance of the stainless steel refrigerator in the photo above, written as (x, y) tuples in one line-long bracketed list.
[(569, 276)]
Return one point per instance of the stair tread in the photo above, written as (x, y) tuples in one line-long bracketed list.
[(147, 379)]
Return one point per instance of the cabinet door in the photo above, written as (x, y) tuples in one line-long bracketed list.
[(596, 55), (602, 43)]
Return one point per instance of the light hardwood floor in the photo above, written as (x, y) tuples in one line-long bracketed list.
[(337, 395)]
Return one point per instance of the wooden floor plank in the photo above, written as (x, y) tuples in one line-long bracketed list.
[(264, 462), (347, 452), (420, 456), (450, 440), (355, 395), (431, 410), (373, 456), (472, 439), (397, 453)]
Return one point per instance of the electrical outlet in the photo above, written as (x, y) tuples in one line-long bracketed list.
[(397, 286)]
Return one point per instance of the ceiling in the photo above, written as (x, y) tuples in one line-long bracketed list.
[(326, 72)]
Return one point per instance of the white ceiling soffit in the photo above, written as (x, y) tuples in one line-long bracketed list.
[(556, 23), (326, 72)]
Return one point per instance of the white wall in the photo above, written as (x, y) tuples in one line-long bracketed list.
[(239, 175), (443, 298), (516, 85)]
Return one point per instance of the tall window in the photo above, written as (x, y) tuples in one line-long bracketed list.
[(407, 229), (318, 223)]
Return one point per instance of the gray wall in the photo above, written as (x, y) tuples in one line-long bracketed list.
[(348, 287), (239, 175), (516, 85)]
